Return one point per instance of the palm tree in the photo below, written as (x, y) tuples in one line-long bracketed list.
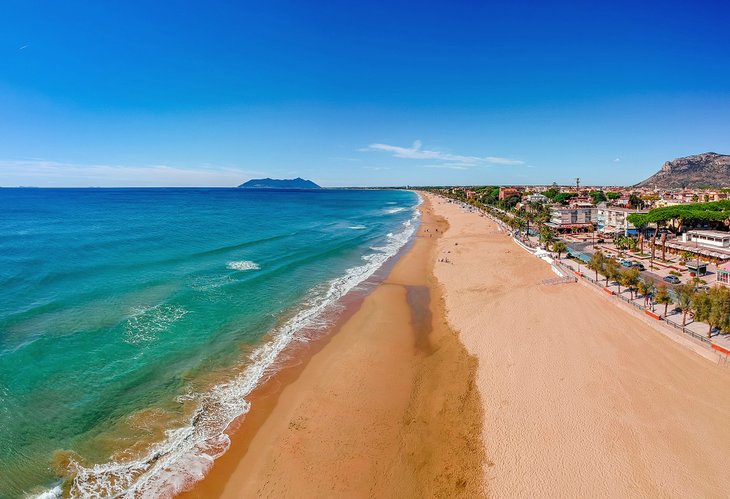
[(631, 243), (663, 297), (644, 288), (559, 247), (546, 236), (596, 263)]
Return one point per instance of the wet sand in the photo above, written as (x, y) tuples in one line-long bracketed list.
[(581, 398), (385, 406)]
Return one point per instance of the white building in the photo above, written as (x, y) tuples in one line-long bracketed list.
[(569, 217), (714, 238), (536, 198), (613, 219)]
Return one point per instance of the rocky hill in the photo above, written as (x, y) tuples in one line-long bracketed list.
[(272, 183), (701, 170)]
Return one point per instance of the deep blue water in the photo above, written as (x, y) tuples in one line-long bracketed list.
[(133, 322)]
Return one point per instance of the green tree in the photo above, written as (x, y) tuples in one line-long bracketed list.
[(546, 236), (559, 247), (597, 197), (663, 297), (551, 193), (610, 269), (636, 202), (702, 308), (629, 277), (596, 263), (720, 308), (621, 243), (685, 295), (644, 288), (564, 197), (613, 195)]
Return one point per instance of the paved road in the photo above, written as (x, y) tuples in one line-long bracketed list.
[(587, 247)]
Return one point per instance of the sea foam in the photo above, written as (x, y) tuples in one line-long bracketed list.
[(187, 453), (243, 265), (146, 323)]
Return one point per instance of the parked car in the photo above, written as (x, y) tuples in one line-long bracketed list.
[(626, 263), (600, 240), (639, 266), (672, 279)]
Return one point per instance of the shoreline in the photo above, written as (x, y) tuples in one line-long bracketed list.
[(392, 346)]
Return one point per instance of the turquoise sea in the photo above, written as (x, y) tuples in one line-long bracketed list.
[(134, 322)]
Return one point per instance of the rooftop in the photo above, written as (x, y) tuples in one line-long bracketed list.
[(622, 208), (709, 233), (712, 252)]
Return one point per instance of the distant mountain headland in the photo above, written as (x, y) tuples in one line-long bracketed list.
[(701, 170), (273, 183)]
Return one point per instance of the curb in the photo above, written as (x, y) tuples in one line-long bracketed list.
[(652, 314)]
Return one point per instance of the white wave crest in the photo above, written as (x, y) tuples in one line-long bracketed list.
[(54, 493), (146, 323), (357, 227), (390, 211), (187, 453), (243, 265)]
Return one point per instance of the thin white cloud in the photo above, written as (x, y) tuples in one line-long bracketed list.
[(447, 166), (416, 152), (41, 173), (23, 47), (617, 160), (338, 158)]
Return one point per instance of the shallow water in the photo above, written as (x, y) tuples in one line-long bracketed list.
[(133, 322)]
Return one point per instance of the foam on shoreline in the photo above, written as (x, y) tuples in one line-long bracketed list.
[(187, 452)]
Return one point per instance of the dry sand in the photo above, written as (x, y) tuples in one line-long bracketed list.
[(385, 407), (581, 399)]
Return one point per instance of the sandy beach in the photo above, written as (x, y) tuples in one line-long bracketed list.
[(581, 398), (385, 406), (462, 376)]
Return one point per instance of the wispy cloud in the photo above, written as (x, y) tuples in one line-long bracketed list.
[(42, 173), (338, 158), (447, 166), (23, 47), (417, 152), (617, 160)]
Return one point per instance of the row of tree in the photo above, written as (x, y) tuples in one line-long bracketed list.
[(710, 306), (716, 211)]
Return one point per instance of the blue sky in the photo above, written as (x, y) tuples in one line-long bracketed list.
[(358, 93)]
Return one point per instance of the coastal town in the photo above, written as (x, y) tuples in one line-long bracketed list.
[(664, 251)]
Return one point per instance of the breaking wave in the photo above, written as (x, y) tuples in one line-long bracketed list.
[(146, 323), (243, 265), (187, 453)]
